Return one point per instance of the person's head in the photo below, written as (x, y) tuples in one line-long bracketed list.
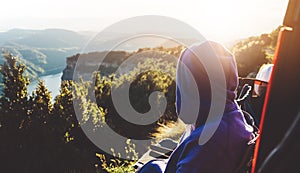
[(262, 78), (191, 71)]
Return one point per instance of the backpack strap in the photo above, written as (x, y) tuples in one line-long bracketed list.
[(246, 161)]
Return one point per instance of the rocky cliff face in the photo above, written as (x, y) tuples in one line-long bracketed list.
[(108, 62)]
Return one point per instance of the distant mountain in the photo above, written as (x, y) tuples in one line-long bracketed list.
[(229, 44), (49, 38), (43, 51)]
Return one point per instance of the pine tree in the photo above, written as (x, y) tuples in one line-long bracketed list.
[(41, 105), (77, 148), (14, 97), (63, 106), (14, 118), (42, 141)]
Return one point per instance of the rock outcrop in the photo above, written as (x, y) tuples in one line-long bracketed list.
[(107, 62)]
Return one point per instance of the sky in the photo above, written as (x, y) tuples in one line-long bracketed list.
[(221, 20)]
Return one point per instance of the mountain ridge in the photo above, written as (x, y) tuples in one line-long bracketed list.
[(44, 52)]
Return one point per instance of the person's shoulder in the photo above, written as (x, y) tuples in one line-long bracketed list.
[(210, 133)]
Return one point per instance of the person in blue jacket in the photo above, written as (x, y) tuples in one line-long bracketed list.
[(224, 150)]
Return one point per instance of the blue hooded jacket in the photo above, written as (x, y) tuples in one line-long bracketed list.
[(223, 150)]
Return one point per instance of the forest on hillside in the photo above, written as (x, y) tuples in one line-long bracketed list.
[(39, 135)]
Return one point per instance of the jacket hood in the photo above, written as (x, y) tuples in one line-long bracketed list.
[(194, 83)]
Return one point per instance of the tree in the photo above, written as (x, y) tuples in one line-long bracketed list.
[(14, 97), (39, 138), (64, 113), (255, 51), (14, 118), (41, 105), (77, 150)]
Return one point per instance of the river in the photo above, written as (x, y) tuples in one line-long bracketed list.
[(52, 82)]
